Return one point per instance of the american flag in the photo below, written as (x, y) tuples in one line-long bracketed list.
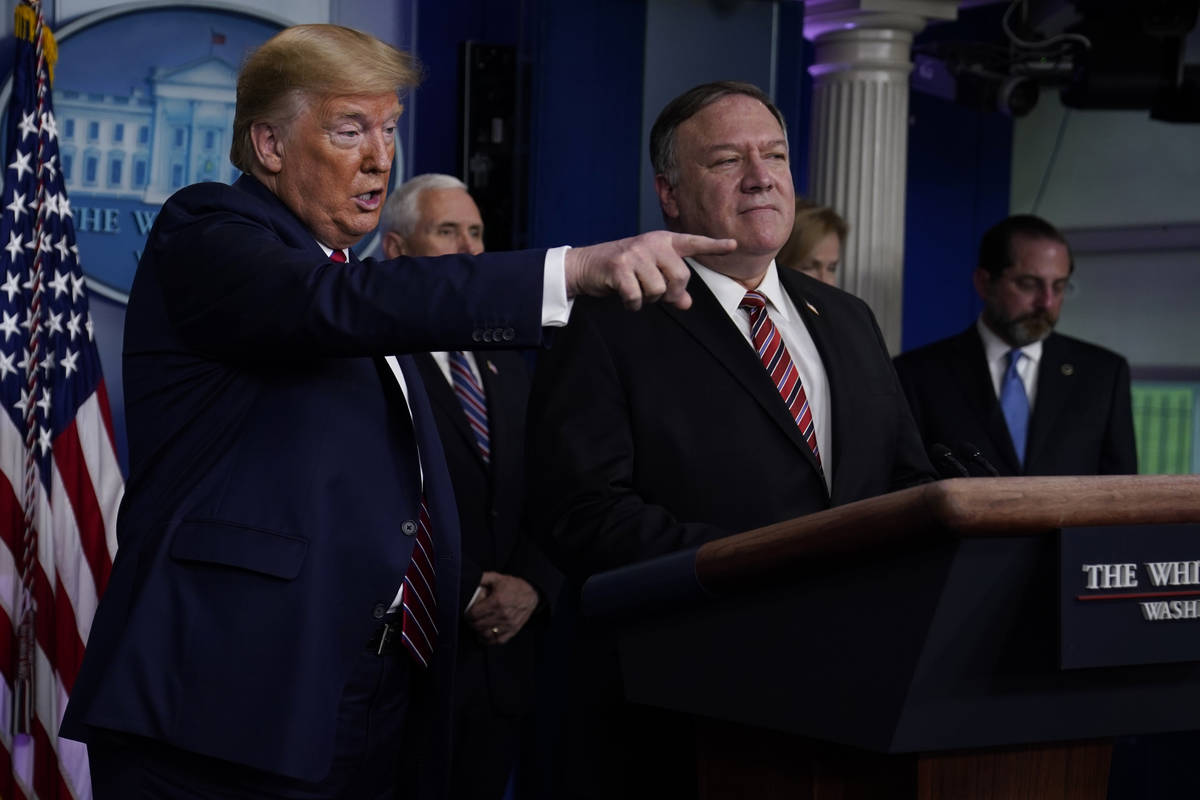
[(60, 482)]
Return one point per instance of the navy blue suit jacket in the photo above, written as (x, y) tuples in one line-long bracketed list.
[(273, 465)]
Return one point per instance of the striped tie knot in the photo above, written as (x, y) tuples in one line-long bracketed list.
[(773, 354), (754, 302)]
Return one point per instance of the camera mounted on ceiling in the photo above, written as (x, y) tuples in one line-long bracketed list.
[(1099, 54)]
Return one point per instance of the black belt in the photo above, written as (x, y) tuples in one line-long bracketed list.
[(386, 638)]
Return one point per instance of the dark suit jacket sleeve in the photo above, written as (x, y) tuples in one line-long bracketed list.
[(1119, 453), (251, 283), (582, 463), (529, 562)]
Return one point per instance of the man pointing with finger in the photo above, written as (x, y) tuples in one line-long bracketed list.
[(281, 618), (772, 397)]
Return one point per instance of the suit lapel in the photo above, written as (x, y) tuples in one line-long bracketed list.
[(1054, 386), (708, 323), (975, 381), (827, 349), (495, 381), (442, 397)]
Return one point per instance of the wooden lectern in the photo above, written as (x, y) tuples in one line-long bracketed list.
[(903, 646)]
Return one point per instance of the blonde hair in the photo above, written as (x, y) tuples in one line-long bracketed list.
[(307, 62), (812, 224)]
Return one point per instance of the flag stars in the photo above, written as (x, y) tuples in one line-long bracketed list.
[(44, 404), (11, 287), (88, 326), (50, 206), (68, 362), (64, 206), (27, 126), (9, 327), (6, 365), (77, 283), (47, 364), (48, 167), (21, 165), (49, 125), (44, 438), (54, 323), (22, 405), (14, 246), (59, 284), (17, 206), (72, 326), (64, 250)]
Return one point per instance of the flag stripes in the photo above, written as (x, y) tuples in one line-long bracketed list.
[(60, 482)]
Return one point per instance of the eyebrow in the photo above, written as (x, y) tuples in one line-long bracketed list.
[(731, 146)]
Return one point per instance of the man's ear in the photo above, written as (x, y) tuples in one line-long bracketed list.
[(983, 282), (393, 245), (666, 196), (268, 146)]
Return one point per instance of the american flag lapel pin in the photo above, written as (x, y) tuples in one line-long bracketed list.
[(812, 308), (492, 367)]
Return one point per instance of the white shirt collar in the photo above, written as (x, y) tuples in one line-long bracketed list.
[(729, 292)]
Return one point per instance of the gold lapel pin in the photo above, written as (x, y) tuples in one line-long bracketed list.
[(812, 308), (1068, 369), (492, 367)]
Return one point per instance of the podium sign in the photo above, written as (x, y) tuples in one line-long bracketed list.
[(1129, 595)]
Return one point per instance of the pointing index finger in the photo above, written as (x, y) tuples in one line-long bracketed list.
[(690, 244)]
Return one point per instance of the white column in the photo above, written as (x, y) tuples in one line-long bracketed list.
[(859, 136)]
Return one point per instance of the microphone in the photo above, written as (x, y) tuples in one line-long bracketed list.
[(973, 455), (942, 455)]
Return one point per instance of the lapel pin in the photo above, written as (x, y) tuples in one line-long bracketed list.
[(1068, 369), (812, 308), (492, 367)]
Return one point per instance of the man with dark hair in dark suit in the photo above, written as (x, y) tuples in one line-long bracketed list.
[(1034, 402), (772, 397), (479, 401)]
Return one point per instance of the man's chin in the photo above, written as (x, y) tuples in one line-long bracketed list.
[(1027, 331)]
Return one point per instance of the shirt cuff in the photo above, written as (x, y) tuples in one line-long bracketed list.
[(556, 308)]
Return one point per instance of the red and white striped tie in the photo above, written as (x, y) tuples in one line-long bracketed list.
[(417, 626), (778, 362)]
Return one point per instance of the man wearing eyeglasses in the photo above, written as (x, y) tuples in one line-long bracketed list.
[(1032, 401)]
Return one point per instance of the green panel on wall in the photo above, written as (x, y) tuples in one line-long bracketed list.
[(1164, 422)]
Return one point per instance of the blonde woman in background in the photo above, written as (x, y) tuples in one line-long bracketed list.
[(815, 246)]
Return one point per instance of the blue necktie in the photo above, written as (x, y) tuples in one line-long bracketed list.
[(1015, 404)]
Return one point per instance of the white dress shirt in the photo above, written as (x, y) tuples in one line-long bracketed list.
[(996, 350), (796, 338)]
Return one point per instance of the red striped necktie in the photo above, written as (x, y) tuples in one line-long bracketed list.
[(417, 626), (778, 362)]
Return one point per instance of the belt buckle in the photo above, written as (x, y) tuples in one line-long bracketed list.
[(384, 637)]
